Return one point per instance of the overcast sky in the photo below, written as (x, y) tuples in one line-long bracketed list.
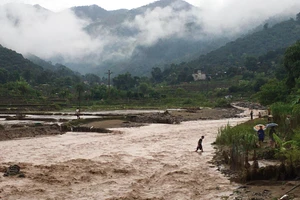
[(58, 5)]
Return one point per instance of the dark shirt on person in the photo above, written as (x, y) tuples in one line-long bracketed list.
[(200, 142), (199, 147), (261, 134)]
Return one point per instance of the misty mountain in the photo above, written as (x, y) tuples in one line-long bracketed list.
[(40, 62), (41, 9), (258, 52), (13, 62), (14, 67), (48, 65), (184, 40), (92, 12), (268, 40), (100, 16), (90, 39), (165, 50)]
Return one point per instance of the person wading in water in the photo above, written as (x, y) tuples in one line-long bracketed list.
[(199, 147)]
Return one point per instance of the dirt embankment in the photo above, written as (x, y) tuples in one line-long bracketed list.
[(14, 132), (102, 126), (169, 117)]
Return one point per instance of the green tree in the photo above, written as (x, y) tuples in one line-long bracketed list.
[(271, 92), (298, 17), (258, 83), (44, 77), (3, 75), (27, 75), (125, 81), (92, 79), (156, 74), (251, 63), (144, 88), (23, 87), (64, 93), (292, 63), (79, 90), (99, 92), (233, 71), (14, 76)]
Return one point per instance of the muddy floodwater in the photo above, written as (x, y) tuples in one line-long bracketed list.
[(150, 162)]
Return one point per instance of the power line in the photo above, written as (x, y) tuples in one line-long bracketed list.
[(109, 73)]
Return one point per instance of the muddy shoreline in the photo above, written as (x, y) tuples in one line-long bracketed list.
[(262, 188), (102, 125)]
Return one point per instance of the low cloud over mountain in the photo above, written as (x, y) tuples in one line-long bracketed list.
[(78, 35)]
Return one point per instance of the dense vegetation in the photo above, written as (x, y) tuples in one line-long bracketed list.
[(281, 94), (25, 82), (239, 145)]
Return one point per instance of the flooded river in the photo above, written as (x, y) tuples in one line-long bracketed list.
[(150, 162)]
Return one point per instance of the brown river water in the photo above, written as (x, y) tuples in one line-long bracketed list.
[(150, 162)]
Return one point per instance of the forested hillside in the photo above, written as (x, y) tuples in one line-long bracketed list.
[(234, 54), (164, 49), (22, 81), (260, 51), (13, 66)]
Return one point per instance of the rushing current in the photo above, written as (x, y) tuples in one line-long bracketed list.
[(157, 161)]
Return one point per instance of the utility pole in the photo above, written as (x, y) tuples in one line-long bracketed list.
[(109, 73)]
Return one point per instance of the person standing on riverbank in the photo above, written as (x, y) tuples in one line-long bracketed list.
[(77, 113), (261, 135), (251, 114), (200, 147), (271, 136)]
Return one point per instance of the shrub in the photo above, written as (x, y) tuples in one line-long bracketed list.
[(187, 102), (222, 103)]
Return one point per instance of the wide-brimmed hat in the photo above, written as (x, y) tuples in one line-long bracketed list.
[(257, 127)]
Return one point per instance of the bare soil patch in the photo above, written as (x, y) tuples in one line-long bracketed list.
[(10, 133), (169, 117)]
